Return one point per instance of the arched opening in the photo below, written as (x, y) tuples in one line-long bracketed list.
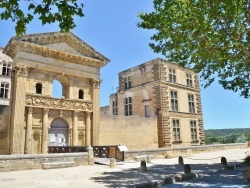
[(60, 86), (81, 94), (57, 89), (58, 134), (39, 87)]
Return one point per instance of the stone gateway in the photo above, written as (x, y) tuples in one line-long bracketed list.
[(39, 120)]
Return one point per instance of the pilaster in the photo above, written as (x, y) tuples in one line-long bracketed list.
[(28, 142), (19, 78), (88, 134), (95, 84), (75, 130), (45, 131)]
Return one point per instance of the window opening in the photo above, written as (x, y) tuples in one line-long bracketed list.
[(57, 89), (174, 101), (189, 80), (147, 111), (4, 90), (6, 70), (128, 106), (191, 103), (193, 130), (80, 94), (115, 107), (176, 130), (172, 76), (39, 88)]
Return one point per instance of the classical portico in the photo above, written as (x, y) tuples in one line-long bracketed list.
[(38, 119)]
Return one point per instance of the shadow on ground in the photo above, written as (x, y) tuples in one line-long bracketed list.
[(210, 175)]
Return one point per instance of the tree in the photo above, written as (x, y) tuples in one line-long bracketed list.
[(210, 36), (49, 11)]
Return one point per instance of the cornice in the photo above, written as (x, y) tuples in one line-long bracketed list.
[(35, 44), (55, 54)]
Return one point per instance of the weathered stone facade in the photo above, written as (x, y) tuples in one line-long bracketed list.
[(5, 81), (37, 119), (164, 90)]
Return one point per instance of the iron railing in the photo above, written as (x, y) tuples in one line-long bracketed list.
[(99, 151)]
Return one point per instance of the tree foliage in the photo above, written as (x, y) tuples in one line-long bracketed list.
[(49, 11), (225, 136), (210, 36)]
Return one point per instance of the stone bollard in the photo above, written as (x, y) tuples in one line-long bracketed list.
[(223, 162), (90, 155), (148, 159), (187, 169), (143, 166), (112, 163), (180, 160)]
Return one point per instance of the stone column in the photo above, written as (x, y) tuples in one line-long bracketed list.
[(75, 131), (16, 137), (28, 146), (45, 131), (95, 84), (88, 136)]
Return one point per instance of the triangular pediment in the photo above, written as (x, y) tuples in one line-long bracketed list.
[(60, 42), (63, 46)]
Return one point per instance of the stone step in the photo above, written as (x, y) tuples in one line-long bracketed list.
[(53, 165)]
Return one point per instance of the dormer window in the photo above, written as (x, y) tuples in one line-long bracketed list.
[(80, 94), (39, 88)]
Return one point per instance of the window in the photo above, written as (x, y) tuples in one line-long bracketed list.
[(176, 130), (6, 70), (80, 94), (191, 103), (174, 101), (172, 76), (4, 90), (128, 106), (128, 82), (114, 107), (39, 88), (143, 70), (193, 130), (189, 80), (147, 111)]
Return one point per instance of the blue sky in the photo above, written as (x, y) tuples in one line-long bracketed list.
[(110, 27)]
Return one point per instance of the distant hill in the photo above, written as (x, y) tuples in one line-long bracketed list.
[(224, 136)]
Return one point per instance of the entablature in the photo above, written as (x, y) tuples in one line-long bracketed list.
[(33, 100)]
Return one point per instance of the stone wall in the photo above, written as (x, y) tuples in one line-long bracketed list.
[(184, 151), (132, 131), (4, 126), (36, 161)]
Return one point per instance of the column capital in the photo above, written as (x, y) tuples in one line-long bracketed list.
[(95, 83), (75, 113), (20, 70), (45, 111), (88, 113), (30, 110)]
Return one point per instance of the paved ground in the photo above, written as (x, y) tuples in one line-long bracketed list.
[(206, 165)]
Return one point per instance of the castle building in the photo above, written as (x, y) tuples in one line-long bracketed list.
[(167, 91), (37, 119), (5, 81), (5, 72)]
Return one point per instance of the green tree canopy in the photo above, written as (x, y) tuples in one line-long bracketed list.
[(49, 11), (210, 36)]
